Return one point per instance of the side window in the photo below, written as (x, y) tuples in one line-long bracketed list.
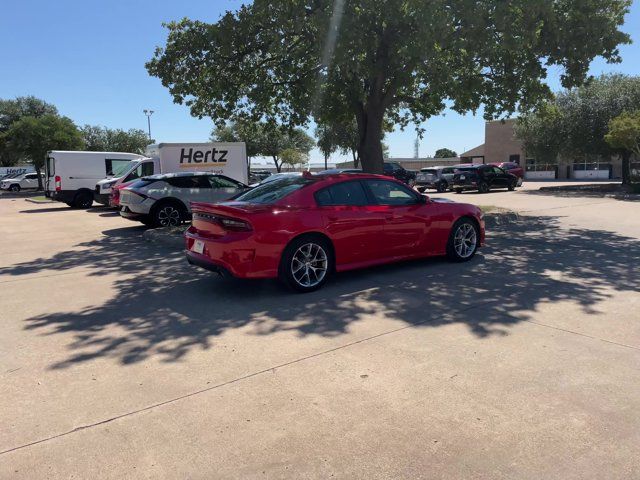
[(345, 193), (112, 165), (188, 182), (222, 182), (391, 193), (498, 170), (31, 176), (447, 171), (147, 169)]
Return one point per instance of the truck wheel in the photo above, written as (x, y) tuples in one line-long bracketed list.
[(441, 187), (483, 187), (83, 199), (14, 188)]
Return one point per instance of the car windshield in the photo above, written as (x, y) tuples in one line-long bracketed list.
[(273, 191), (120, 170)]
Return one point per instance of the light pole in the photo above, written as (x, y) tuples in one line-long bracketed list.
[(148, 113)]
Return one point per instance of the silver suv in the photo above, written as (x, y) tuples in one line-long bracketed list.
[(438, 178), (165, 200)]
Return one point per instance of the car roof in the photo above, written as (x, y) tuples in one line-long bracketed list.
[(162, 176)]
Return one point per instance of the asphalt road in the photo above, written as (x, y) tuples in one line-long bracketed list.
[(118, 360)]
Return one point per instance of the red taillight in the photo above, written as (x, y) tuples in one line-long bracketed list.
[(58, 183), (230, 224)]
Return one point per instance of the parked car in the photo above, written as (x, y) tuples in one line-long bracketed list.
[(165, 199), (303, 229), (26, 181), (512, 168), (114, 196), (482, 178), (397, 171), (438, 178)]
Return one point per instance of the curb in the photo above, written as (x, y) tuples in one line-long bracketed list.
[(499, 219), (32, 200), (166, 236)]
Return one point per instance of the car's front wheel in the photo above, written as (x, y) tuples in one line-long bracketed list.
[(463, 240), (14, 188), (483, 187), (306, 263)]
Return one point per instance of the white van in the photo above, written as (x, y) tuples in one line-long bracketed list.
[(223, 158), (70, 177)]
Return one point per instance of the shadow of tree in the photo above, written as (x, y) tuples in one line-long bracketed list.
[(163, 307), (614, 191)]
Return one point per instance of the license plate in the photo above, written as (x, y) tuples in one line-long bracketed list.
[(198, 246)]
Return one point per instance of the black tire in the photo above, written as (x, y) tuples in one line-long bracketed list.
[(168, 213), (483, 187), (296, 248), (458, 253), (441, 187), (458, 190), (14, 188), (83, 199), (511, 187)]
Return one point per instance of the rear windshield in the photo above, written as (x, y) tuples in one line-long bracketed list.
[(273, 191)]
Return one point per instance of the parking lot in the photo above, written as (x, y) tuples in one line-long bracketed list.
[(121, 361)]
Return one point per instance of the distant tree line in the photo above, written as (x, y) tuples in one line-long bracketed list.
[(598, 119)]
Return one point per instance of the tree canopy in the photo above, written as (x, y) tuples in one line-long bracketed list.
[(33, 137), (576, 123), (103, 139), (264, 139), (367, 60), (624, 132), (445, 153), (12, 111)]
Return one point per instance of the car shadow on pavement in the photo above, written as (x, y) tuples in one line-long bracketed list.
[(163, 308)]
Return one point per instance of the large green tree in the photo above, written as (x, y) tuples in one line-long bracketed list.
[(103, 139), (340, 60), (445, 153), (33, 137), (624, 135), (10, 112)]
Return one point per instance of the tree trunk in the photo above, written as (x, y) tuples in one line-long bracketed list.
[(370, 131), (356, 159), (40, 186), (626, 167), (277, 163), (325, 162)]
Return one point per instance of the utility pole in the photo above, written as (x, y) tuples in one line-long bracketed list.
[(148, 113), (416, 148)]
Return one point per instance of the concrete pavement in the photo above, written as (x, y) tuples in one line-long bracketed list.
[(118, 360)]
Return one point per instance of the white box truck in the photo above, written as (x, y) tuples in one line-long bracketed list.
[(225, 158), (71, 176)]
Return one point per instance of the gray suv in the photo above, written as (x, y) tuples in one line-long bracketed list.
[(438, 178), (165, 200)]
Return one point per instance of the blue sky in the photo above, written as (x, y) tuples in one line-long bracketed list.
[(87, 58)]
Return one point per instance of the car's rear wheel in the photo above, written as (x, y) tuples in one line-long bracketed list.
[(14, 188), (463, 240), (483, 187), (168, 214), (458, 190), (441, 187), (306, 263)]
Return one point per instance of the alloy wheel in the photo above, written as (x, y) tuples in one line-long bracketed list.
[(465, 240), (169, 216), (309, 265)]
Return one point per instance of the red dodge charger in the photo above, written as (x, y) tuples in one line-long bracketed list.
[(302, 229)]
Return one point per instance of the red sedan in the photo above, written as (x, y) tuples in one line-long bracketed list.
[(302, 229)]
